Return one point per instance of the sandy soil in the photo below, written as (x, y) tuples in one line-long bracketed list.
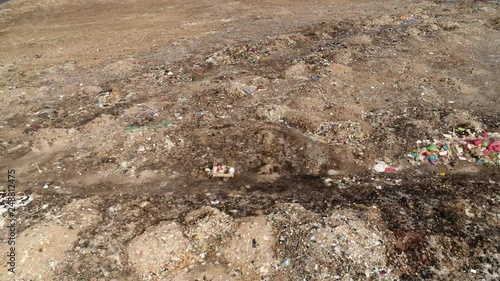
[(112, 110)]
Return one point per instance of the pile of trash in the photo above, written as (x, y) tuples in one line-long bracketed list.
[(341, 132), (108, 99), (220, 171), (470, 145)]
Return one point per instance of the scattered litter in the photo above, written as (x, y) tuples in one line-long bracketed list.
[(342, 132), (46, 186), (248, 53), (315, 78), (287, 262), (461, 144)]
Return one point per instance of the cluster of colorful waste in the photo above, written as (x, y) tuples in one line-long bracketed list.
[(470, 145), (220, 171)]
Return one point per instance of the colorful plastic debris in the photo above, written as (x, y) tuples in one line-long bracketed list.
[(459, 145)]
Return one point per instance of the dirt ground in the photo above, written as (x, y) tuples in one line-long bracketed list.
[(365, 136)]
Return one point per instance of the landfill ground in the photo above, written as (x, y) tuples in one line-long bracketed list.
[(330, 112)]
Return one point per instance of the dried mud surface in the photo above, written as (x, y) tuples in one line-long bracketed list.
[(110, 146)]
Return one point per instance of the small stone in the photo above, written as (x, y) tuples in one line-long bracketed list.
[(248, 90)]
